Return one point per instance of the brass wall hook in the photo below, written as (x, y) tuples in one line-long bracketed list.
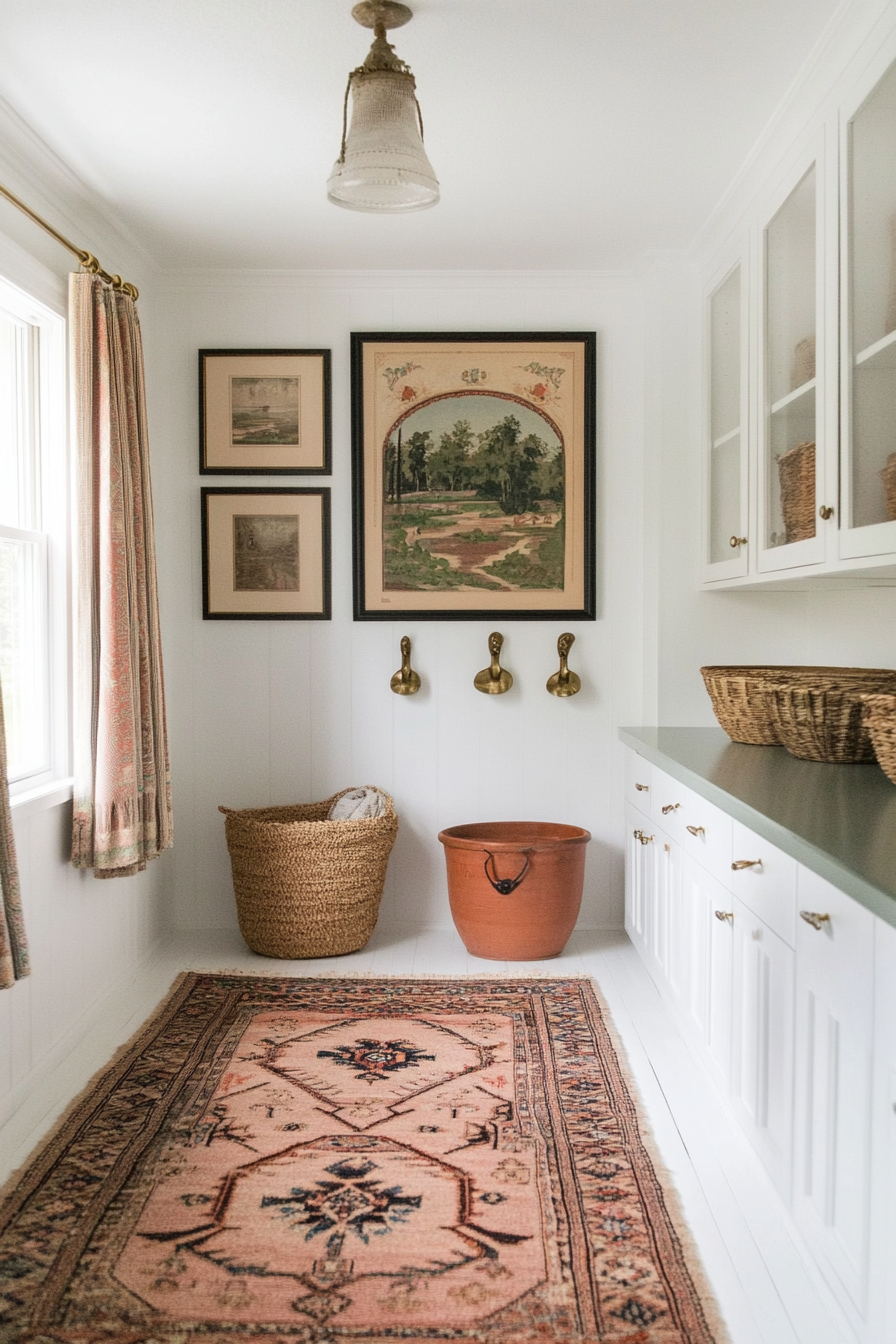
[(494, 679), (405, 681), (564, 682)]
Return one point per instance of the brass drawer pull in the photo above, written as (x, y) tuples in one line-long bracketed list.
[(725, 914), (696, 830), (815, 920), (643, 788), (739, 864), (645, 839), (670, 807)]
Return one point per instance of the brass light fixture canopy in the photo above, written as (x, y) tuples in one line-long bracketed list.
[(382, 165)]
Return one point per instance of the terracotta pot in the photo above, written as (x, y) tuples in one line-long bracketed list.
[(515, 887)]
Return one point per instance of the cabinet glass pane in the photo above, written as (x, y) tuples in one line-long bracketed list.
[(725, 426), (873, 271), (790, 367)]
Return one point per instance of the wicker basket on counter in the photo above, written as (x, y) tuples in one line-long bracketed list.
[(306, 886), (821, 721), (796, 473), (740, 695), (880, 720), (888, 475)]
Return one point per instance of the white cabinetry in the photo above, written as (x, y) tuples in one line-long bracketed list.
[(833, 1051), (800, 334), (762, 1041), (883, 1190), (786, 987)]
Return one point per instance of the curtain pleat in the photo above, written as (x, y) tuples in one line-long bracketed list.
[(14, 962), (122, 808)]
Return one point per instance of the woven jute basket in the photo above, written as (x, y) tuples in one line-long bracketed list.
[(306, 886), (796, 472), (822, 721), (880, 720), (888, 475), (740, 697)]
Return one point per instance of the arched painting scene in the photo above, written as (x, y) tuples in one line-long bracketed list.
[(473, 497)]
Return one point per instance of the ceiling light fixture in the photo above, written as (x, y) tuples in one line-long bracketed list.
[(382, 166)]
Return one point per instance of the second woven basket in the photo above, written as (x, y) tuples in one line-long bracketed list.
[(306, 886)]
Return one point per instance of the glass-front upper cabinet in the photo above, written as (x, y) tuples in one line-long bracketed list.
[(726, 476), (791, 458), (868, 337)]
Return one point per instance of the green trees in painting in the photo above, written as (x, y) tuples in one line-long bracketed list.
[(500, 464)]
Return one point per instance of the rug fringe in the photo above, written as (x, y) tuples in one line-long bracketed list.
[(671, 1195)]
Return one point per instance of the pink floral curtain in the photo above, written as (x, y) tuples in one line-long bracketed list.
[(122, 810), (13, 944)]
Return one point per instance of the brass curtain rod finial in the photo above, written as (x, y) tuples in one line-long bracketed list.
[(564, 683), (405, 681), (494, 679)]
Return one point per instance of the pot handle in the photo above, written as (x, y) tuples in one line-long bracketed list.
[(505, 885)]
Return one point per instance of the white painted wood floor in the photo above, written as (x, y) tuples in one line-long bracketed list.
[(768, 1291)]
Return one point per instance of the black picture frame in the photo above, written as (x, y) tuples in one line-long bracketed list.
[(220, 544), (312, 454), (567, 387)]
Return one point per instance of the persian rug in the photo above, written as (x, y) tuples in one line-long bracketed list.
[(317, 1161)]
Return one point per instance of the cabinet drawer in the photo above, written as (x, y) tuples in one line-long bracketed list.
[(637, 782), (706, 836), (667, 802), (768, 887)]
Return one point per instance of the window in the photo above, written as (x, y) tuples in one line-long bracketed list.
[(34, 541)]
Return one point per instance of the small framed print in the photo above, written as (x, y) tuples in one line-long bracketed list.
[(264, 412), (265, 554), (473, 468)]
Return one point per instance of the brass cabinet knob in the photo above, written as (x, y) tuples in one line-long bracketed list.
[(645, 839), (817, 921), (734, 542), (739, 864), (695, 830), (643, 788), (724, 915), (670, 807), (826, 512)]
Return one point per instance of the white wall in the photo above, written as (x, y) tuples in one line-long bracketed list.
[(290, 711), (86, 937)]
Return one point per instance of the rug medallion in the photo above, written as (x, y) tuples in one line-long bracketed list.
[(318, 1161)]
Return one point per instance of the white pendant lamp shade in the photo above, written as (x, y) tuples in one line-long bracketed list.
[(383, 166)]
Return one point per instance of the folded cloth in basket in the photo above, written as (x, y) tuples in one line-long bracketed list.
[(358, 804)]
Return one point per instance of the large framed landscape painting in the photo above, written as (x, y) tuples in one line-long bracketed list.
[(264, 412), (265, 553), (473, 475)]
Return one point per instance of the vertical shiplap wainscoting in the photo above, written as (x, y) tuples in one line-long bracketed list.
[(281, 711)]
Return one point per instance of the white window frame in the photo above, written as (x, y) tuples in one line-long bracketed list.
[(51, 498)]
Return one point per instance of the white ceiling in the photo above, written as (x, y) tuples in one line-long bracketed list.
[(565, 133)]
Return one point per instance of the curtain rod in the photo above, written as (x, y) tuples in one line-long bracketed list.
[(87, 259)]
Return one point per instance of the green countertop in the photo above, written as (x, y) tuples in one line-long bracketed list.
[(838, 820)]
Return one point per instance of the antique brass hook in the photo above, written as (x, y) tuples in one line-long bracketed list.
[(564, 682), (406, 681), (494, 679)]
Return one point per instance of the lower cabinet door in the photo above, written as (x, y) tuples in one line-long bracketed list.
[(669, 918), (833, 1053), (708, 918), (762, 1042), (639, 878), (883, 1140)]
